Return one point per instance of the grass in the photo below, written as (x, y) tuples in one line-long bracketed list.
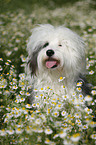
[(19, 124)]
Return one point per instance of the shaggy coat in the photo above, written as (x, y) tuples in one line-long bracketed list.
[(56, 52)]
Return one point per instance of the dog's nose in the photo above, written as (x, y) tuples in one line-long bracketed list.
[(50, 52)]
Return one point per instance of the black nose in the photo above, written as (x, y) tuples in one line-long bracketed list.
[(50, 52)]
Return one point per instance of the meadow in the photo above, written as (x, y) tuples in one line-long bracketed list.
[(58, 121)]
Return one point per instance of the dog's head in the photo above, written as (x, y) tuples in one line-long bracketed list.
[(55, 48)]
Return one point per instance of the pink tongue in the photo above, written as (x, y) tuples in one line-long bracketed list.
[(50, 64)]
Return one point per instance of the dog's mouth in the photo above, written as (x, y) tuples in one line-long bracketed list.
[(52, 63)]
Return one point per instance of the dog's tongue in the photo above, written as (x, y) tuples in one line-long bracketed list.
[(50, 64)]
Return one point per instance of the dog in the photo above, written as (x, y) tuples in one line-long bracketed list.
[(54, 53)]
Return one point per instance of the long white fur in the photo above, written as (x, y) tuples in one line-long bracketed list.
[(71, 56)]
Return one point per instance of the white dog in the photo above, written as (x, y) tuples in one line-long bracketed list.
[(56, 52)]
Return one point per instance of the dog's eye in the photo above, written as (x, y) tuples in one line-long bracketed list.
[(46, 44), (60, 45)]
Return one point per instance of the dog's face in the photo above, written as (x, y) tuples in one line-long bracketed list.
[(55, 49)]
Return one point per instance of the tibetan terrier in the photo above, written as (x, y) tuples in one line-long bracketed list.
[(54, 53)]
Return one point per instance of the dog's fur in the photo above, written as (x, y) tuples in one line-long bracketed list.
[(56, 52)]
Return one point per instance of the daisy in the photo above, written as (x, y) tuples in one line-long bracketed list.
[(80, 96), (91, 72), (28, 106), (77, 115), (64, 97), (48, 131), (34, 105), (75, 137), (38, 121), (28, 129), (23, 58), (79, 89), (63, 113), (63, 87), (19, 130), (88, 98), (47, 141), (93, 136), (55, 136), (15, 87), (27, 94), (3, 132), (1, 59), (61, 79), (93, 92), (92, 124), (40, 130), (79, 84), (62, 134), (7, 63), (10, 132), (56, 114), (88, 110), (84, 126)]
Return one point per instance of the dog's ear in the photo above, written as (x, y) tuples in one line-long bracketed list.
[(32, 64)]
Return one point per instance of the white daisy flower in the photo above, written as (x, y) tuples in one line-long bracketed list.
[(48, 131), (47, 141), (67, 142), (61, 79), (27, 94), (7, 63), (93, 92), (22, 92), (10, 132), (80, 96), (55, 136), (64, 97), (75, 137), (40, 130), (34, 105), (1, 59), (3, 132), (23, 58), (93, 136), (79, 89), (58, 123), (28, 106), (77, 115), (88, 98), (28, 129), (79, 83), (78, 121), (62, 134), (22, 100), (79, 124), (84, 126), (56, 114), (91, 72), (19, 130), (38, 121), (88, 110), (92, 124), (15, 87), (63, 113), (63, 87)]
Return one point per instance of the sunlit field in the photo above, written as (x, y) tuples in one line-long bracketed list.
[(52, 119)]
